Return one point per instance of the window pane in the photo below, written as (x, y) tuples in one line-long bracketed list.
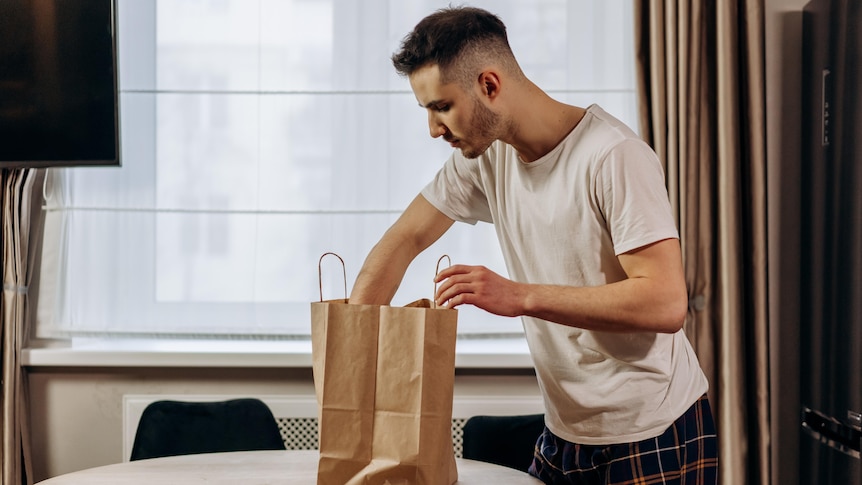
[(258, 135)]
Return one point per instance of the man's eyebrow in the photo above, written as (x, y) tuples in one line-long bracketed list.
[(430, 103)]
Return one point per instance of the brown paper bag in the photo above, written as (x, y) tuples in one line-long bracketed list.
[(384, 380)]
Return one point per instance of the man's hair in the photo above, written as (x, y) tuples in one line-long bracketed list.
[(458, 40)]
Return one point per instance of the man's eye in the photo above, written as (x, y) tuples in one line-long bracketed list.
[(443, 108)]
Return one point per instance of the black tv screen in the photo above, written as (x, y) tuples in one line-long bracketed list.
[(59, 103)]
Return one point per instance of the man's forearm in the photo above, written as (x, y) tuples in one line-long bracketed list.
[(382, 272), (418, 227)]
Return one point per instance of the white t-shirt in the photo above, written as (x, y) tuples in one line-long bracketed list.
[(562, 220)]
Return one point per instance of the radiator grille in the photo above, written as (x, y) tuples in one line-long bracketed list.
[(458, 436), (302, 434), (299, 433)]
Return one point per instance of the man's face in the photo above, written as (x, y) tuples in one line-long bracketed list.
[(456, 115)]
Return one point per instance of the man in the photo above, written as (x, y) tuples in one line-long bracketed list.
[(583, 218)]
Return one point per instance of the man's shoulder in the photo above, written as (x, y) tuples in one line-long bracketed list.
[(604, 134), (603, 125)]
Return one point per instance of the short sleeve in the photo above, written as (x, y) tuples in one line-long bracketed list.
[(633, 197), (457, 190)]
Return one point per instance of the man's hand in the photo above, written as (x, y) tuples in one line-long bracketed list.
[(480, 287)]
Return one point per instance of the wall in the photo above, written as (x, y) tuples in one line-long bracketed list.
[(783, 23)]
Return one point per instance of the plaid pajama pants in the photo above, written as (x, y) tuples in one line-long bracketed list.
[(685, 454)]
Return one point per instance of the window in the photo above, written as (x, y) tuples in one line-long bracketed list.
[(258, 135)]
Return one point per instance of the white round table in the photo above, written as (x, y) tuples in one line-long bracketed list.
[(253, 468)]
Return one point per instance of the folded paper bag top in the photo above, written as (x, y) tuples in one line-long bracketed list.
[(384, 380)]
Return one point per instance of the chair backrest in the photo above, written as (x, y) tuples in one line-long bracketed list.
[(503, 440), (169, 428)]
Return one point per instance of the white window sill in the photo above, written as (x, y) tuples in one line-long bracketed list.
[(510, 353)]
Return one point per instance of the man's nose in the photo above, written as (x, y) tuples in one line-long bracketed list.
[(435, 127)]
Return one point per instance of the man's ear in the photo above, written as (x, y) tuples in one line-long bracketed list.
[(489, 83)]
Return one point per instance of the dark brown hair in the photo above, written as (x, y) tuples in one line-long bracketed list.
[(456, 39)]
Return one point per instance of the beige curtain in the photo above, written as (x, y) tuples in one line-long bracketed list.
[(21, 221), (702, 101)]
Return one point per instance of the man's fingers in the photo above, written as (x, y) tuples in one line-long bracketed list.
[(452, 271)]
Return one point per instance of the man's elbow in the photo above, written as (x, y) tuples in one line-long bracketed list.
[(674, 315)]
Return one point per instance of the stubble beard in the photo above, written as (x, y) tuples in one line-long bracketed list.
[(487, 126)]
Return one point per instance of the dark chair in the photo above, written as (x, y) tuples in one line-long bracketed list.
[(169, 428), (503, 440)]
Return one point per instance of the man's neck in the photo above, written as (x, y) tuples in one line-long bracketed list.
[(541, 125)]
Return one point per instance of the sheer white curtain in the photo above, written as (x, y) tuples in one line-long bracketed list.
[(259, 134)]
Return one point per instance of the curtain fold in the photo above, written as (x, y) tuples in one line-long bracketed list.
[(702, 107), (21, 221)]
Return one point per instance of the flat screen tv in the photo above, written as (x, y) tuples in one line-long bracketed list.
[(59, 103)]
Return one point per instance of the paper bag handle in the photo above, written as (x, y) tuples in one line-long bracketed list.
[(320, 273), (434, 295)]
